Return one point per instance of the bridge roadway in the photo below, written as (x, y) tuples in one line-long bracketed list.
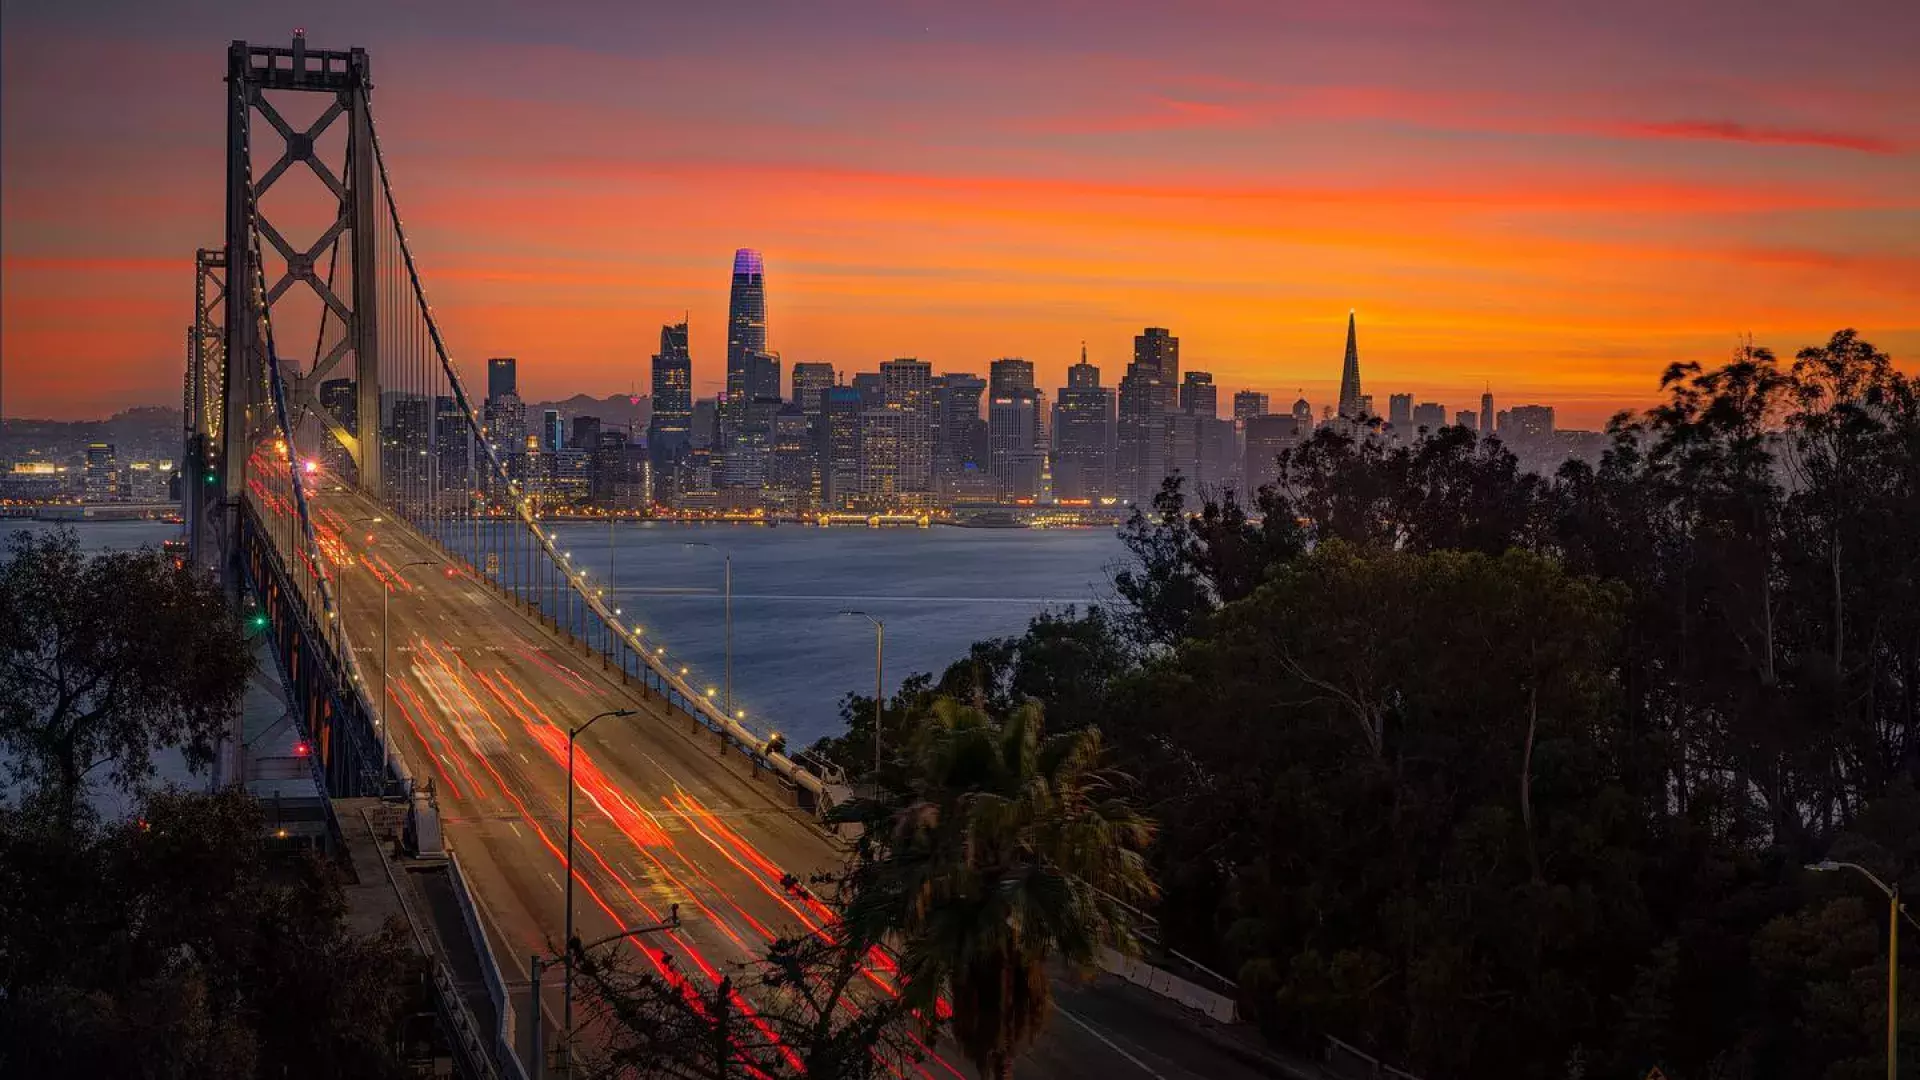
[(480, 697)]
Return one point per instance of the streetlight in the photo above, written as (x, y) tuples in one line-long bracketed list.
[(541, 963), (1895, 912), (879, 663), (728, 615), (567, 993), (386, 594)]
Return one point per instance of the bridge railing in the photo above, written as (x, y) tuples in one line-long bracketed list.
[(449, 480), (335, 715)]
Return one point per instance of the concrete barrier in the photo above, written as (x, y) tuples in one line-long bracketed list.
[(1170, 986), (490, 970)]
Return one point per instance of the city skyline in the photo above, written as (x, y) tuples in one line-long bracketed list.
[(1544, 222)]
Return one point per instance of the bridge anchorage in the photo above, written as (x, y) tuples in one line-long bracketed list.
[(377, 413)]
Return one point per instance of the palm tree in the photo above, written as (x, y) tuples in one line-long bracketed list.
[(1003, 849)]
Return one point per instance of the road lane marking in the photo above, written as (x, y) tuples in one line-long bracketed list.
[(1088, 1028), (515, 826), (557, 886)]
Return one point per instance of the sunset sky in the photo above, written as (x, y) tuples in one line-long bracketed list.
[(1553, 198)]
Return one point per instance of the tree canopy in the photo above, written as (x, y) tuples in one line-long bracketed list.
[(1496, 773)]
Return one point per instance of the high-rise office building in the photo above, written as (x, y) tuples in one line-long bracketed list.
[(959, 431), (609, 476), (907, 387), (339, 399), (1198, 395), (839, 447), (1468, 419), (1486, 414), (1351, 406), (1302, 413), (1147, 396), (746, 322), (502, 378), (809, 379), (791, 460), (1529, 426), (1008, 374), (1250, 403), (872, 390), (882, 439), (1429, 416), (1083, 435), (1267, 438), (763, 377), (1400, 412), (102, 477), (586, 433), (1204, 451), (1011, 433), (553, 435), (670, 430), (506, 423), (451, 441)]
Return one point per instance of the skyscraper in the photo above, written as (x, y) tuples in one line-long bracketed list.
[(959, 432), (1486, 413), (1400, 412), (1007, 374), (1199, 395), (808, 380), (907, 385), (1011, 432), (501, 378), (1429, 416), (1083, 435), (839, 436), (1350, 406), (1468, 419), (1250, 403), (746, 321), (1147, 395), (552, 435), (669, 432)]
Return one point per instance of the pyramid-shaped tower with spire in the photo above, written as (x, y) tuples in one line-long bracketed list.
[(1350, 375)]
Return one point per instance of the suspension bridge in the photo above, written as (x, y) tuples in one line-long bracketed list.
[(437, 643)]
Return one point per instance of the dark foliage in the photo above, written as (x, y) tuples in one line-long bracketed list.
[(104, 660), (1498, 774), (174, 945)]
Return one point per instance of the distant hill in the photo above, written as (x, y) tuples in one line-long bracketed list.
[(617, 410)]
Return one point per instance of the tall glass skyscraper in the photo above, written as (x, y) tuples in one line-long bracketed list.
[(670, 432), (746, 324)]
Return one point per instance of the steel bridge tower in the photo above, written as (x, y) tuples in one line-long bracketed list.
[(231, 384)]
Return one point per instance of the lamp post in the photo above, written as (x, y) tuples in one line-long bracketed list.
[(541, 963), (386, 594), (1895, 912), (879, 663), (566, 997), (728, 683)]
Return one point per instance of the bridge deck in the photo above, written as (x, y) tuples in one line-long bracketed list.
[(480, 697)]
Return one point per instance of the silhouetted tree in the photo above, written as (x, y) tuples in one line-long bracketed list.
[(104, 661)]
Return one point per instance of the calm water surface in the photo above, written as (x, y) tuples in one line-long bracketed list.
[(938, 590), (794, 656)]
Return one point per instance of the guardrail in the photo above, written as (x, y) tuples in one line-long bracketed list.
[(1348, 1060)]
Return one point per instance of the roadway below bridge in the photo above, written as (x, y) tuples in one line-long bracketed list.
[(480, 696)]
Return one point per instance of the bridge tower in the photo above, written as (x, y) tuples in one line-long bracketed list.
[(241, 285)]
